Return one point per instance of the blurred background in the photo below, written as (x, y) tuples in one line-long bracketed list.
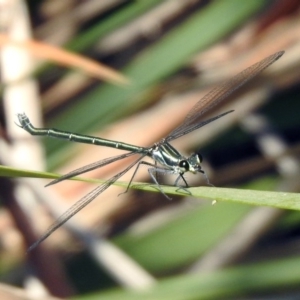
[(156, 60)]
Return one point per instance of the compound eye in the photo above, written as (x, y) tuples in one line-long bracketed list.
[(200, 157), (184, 164)]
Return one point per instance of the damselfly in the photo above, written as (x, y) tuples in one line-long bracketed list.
[(166, 158)]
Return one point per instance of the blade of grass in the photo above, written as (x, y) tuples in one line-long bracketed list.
[(191, 234), (259, 198), (272, 277), (130, 11)]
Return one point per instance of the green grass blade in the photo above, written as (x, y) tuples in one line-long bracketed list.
[(268, 277), (252, 197), (122, 16), (191, 234)]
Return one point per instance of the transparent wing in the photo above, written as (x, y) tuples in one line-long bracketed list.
[(92, 166), (195, 126), (80, 204), (220, 93)]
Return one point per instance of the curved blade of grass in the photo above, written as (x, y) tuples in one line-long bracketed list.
[(259, 198)]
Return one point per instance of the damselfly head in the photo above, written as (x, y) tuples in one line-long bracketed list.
[(194, 162)]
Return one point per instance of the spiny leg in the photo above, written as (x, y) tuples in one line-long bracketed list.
[(151, 171), (177, 179), (134, 173), (182, 187), (155, 170)]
